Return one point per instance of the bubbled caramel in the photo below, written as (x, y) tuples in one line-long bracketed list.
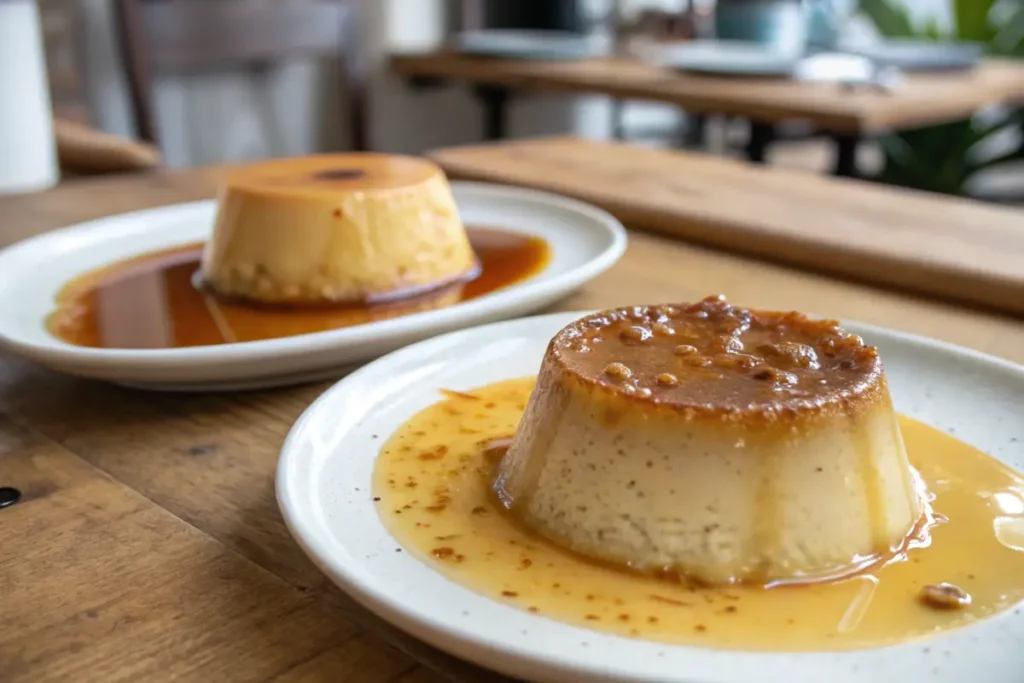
[(716, 357)]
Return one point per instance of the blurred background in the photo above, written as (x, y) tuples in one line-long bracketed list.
[(198, 111)]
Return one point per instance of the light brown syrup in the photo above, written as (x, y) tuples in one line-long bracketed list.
[(433, 479)]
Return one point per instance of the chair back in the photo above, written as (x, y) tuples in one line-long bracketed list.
[(196, 36)]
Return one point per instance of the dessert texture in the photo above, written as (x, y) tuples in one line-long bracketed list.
[(347, 228), (714, 442)]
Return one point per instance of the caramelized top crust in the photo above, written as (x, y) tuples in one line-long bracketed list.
[(716, 358), (328, 174)]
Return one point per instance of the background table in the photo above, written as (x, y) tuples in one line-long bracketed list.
[(845, 115), (148, 545), (944, 246)]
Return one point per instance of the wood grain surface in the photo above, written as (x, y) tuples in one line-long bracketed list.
[(920, 99), (148, 545), (949, 247)]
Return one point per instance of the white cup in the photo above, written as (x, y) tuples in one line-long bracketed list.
[(28, 157)]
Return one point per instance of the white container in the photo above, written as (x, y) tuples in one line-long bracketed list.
[(28, 157)]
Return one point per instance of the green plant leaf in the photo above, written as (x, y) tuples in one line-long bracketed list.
[(961, 136), (932, 158), (931, 29), (982, 131), (892, 21), (1005, 158), (972, 20), (904, 166), (938, 142), (894, 175), (1009, 38), (937, 158), (1014, 121)]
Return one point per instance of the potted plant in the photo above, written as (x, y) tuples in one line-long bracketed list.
[(945, 157)]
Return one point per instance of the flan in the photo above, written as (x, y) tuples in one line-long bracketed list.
[(345, 228), (713, 442)]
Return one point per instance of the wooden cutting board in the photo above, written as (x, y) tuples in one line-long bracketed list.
[(951, 248)]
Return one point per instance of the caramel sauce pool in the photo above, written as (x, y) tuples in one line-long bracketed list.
[(151, 301), (433, 478)]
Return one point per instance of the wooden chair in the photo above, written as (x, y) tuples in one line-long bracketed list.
[(196, 36)]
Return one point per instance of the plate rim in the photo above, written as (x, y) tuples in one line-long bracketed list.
[(779, 63), (140, 359), (547, 44), (473, 646)]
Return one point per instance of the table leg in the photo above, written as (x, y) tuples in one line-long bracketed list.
[(494, 100), (695, 134), (846, 155), (761, 135), (618, 124)]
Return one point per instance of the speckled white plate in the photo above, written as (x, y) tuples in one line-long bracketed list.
[(584, 241), (323, 488)]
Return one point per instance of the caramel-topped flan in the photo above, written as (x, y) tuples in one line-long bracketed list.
[(346, 228), (714, 442)]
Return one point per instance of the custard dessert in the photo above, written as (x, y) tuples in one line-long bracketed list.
[(347, 228), (714, 442)]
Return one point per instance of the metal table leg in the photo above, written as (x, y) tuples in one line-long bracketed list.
[(761, 136), (618, 113), (846, 155), (494, 100), (695, 135)]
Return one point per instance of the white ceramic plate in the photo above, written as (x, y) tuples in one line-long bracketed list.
[(527, 44), (922, 55), (323, 488), (584, 240), (727, 58)]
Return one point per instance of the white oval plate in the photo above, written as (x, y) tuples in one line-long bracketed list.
[(725, 57), (529, 44), (584, 241), (923, 55), (323, 489)]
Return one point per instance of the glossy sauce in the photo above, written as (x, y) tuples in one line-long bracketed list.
[(152, 302), (433, 480), (725, 358)]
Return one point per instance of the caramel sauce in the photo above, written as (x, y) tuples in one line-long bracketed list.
[(340, 174), (433, 479), (713, 356), (152, 301)]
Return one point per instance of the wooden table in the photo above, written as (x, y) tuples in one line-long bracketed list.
[(147, 544), (943, 246), (843, 114)]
